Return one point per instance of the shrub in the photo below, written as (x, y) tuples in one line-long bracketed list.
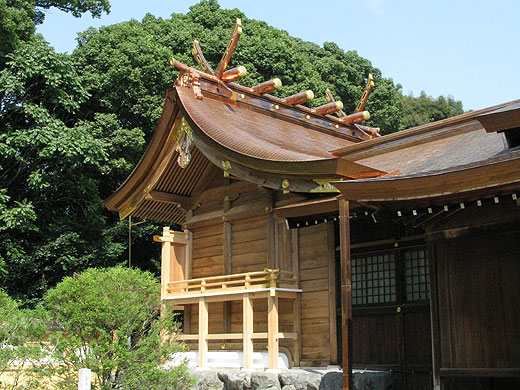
[(19, 329), (110, 320)]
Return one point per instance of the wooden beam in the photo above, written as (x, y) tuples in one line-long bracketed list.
[(199, 57), (272, 331), (247, 329), (481, 372), (166, 197), (346, 292), (369, 87), (235, 36), (203, 332), (313, 207)]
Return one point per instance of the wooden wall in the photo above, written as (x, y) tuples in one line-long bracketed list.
[(234, 231), (476, 282), (478, 296), (316, 267)]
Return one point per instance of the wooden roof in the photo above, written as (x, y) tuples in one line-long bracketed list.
[(210, 125)]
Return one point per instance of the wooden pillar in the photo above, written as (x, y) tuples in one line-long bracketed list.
[(188, 268), (247, 329), (297, 329), (434, 318), (331, 254), (188, 264), (272, 330), (271, 235), (297, 301), (227, 243), (203, 332), (346, 292)]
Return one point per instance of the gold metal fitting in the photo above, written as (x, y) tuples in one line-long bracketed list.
[(277, 83), (242, 71), (309, 94), (366, 115), (339, 105), (285, 183)]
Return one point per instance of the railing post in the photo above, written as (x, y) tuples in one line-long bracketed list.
[(173, 257), (203, 333), (247, 329), (166, 253)]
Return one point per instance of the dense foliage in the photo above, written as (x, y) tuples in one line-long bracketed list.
[(73, 126), (109, 320), (424, 109)]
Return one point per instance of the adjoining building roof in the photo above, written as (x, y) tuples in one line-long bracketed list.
[(458, 157)]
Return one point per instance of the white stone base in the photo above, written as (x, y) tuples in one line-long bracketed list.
[(228, 359)]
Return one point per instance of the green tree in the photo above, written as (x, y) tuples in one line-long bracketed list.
[(109, 320), (51, 214), (18, 18), (425, 109)]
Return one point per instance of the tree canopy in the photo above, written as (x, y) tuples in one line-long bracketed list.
[(72, 127)]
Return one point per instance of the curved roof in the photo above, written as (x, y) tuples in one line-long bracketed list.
[(257, 138), (262, 135)]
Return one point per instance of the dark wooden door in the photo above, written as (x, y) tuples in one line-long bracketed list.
[(391, 315)]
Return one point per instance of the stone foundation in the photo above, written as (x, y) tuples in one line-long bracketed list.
[(289, 380)]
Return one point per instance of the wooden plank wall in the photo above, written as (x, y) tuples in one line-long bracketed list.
[(314, 263), (478, 294), (249, 245), (249, 253), (208, 260)]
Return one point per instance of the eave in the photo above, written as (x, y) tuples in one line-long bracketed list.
[(484, 179)]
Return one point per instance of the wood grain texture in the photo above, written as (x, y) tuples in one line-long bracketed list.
[(313, 252)]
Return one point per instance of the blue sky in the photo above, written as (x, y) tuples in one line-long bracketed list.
[(467, 49)]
